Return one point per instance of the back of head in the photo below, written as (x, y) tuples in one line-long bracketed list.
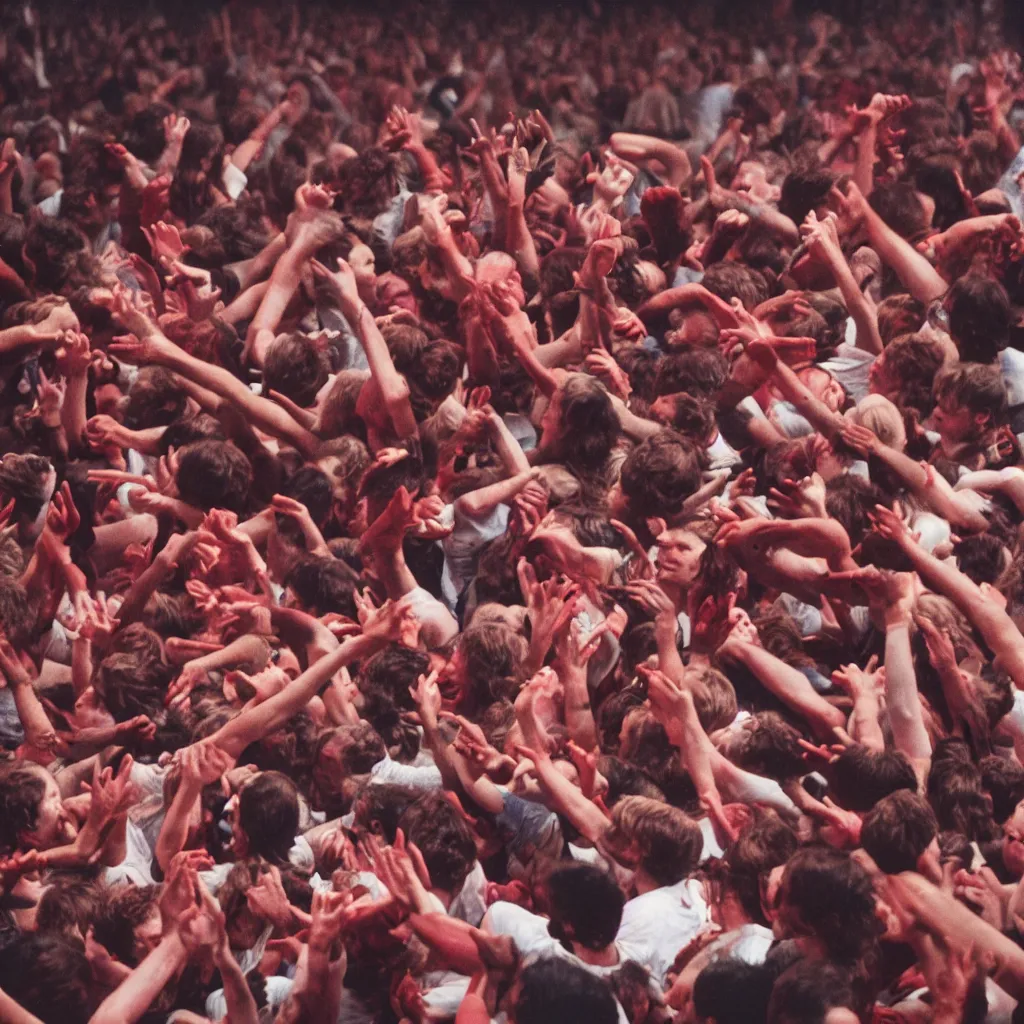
[(49, 977), (295, 367), (214, 474), (980, 317), (556, 991), (659, 474), (668, 839), (898, 830), (862, 777), (806, 992), (732, 991), (443, 837), (268, 811), (586, 905)]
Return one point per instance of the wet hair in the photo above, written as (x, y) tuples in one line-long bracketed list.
[(898, 830)]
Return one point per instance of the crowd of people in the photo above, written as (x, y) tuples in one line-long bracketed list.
[(511, 514)]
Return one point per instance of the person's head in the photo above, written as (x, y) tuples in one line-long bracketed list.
[(580, 423), (296, 367), (214, 474), (485, 666), (900, 833), (766, 844), (826, 902), (128, 922), (267, 818), (730, 280), (442, 836), (970, 399), (905, 372), (155, 399), (661, 841), (132, 682), (882, 418), (33, 815), (898, 315), (394, 670), (980, 317), (680, 557), (697, 371), (658, 475), (343, 755), (804, 190), (323, 584), (556, 991), (692, 416), (900, 205), (585, 905), (812, 992), (862, 777), (49, 977), (730, 991), (30, 480)]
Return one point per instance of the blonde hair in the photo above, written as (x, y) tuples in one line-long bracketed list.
[(882, 418)]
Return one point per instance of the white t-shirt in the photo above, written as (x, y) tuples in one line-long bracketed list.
[(662, 922), (437, 624)]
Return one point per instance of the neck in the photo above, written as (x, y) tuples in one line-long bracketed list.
[(607, 957), (643, 883)]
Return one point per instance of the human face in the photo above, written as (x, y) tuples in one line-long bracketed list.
[(679, 555), (53, 824), (147, 936), (956, 422), (362, 262)]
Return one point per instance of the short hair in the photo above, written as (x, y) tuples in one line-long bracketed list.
[(1003, 780), (805, 993), (554, 990), (980, 317), (898, 315), (125, 908), (324, 584), (493, 655), (766, 844), (49, 976), (659, 474), (21, 792), (834, 898), (670, 841), (697, 371), (214, 474), (295, 367), (914, 361), (803, 189), (155, 399), (862, 777), (442, 836), (268, 811), (729, 280), (714, 697), (732, 991), (589, 900), (976, 386), (898, 830), (981, 557)]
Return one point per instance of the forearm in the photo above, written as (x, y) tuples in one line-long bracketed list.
[(393, 388), (864, 164), (509, 450), (174, 831), (790, 686), (638, 428), (253, 145), (919, 277), (73, 411), (433, 179), (12, 1012), (819, 415), (481, 502), (260, 721), (864, 317), (571, 802), (249, 272), (241, 1005), (252, 652), (133, 997), (284, 280), (902, 701), (520, 243), (579, 717), (142, 590)]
